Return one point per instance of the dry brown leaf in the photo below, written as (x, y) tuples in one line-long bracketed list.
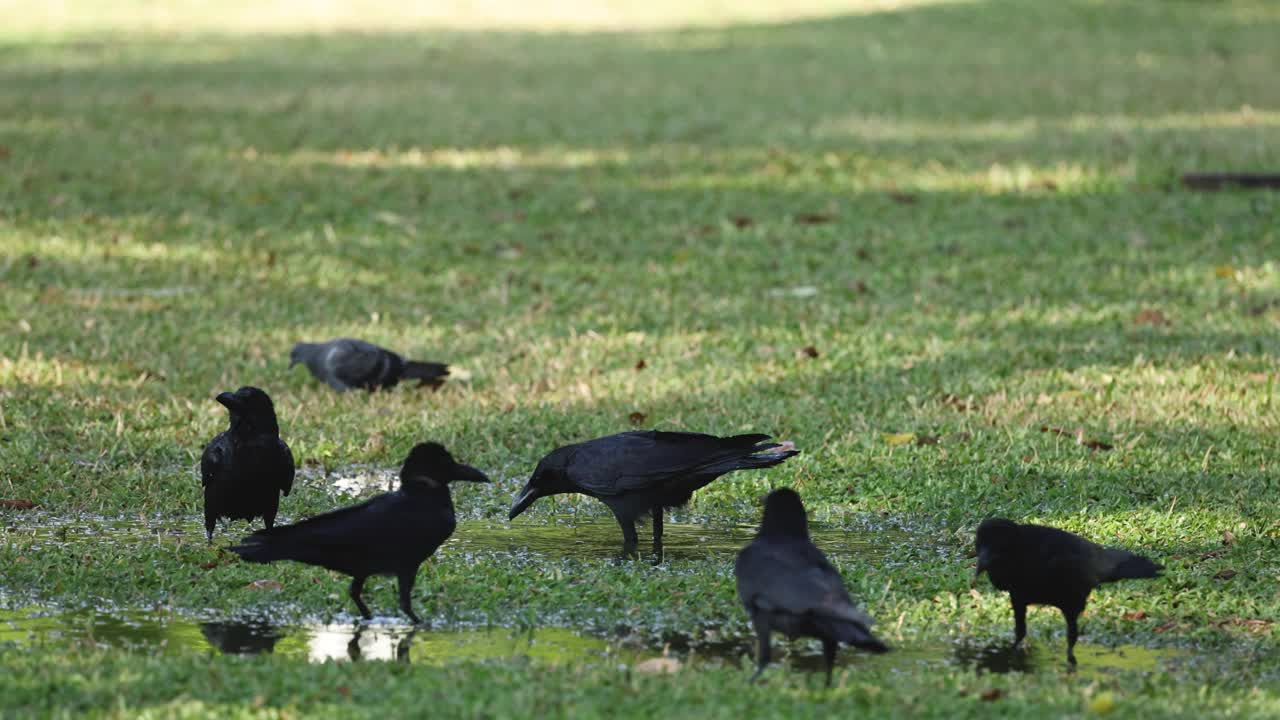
[(926, 440), (640, 365), (742, 221), (1139, 615), (1225, 574), (991, 694), (1228, 537), (659, 666), (637, 418), (903, 198), (17, 504), (809, 351), (814, 218), (1166, 627), (265, 585), (1150, 317)]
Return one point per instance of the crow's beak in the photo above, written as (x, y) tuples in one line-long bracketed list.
[(523, 501), (229, 400), (468, 474), (984, 557)]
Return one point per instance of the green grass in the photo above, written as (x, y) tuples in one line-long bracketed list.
[(546, 199)]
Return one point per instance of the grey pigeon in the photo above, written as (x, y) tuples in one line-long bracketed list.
[(346, 363), (245, 468), (787, 584), (391, 534), (1041, 565), (643, 471)]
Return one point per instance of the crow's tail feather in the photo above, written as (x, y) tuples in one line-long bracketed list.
[(1125, 565), (426, 373), (852, 633), (267, 546)]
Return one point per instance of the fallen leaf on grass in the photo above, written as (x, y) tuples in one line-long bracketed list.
[(1225, 272), (637, 418), (903, 198), (1253, 625), (1165, 627), (17, 504), (859, 287), (741, 221), (814, 218), (4, 152), (1102, 703), (1228, 537), (809, 351), (991, 694), (1150, 317), (1139, 615), (926, 440), (1213, 554), (895, 439), (344, 691), (640, 365), (659, 666), (265, 585), (964, 404), (1225, 574)]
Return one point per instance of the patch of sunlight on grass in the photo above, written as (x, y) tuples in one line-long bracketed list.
[(312, 16), (502, 157), (26, 370), (933, 176), (878, 128)]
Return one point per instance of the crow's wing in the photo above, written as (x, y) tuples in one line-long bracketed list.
[(646, 459), (285, 468), (216, 459), (796, 578), (384, 522)]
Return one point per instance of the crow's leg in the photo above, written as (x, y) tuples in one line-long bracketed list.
[(269, 520), (760, 622), (657, 525), (1073, 632), (407, 578), (210, 523), (357, 586), (630, 539), (1019, 622), (829, 656)]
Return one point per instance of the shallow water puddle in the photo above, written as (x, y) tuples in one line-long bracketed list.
[(160, 633), (170, 634)]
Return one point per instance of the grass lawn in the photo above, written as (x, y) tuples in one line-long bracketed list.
[(941, 246)]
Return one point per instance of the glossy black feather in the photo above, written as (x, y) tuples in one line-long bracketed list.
[(246, 468), (1041, 565), (786, 584), (643, 472), (390, 534)]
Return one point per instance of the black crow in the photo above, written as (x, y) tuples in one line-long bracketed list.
[(347, 363), (390, 534), (786, 584), (1039, 565), (245, 468), (644, 471)]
